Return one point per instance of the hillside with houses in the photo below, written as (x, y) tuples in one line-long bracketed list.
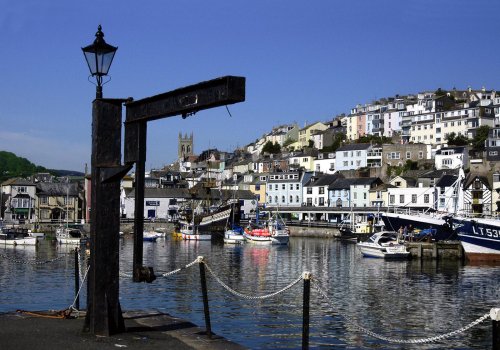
[(401, 151)]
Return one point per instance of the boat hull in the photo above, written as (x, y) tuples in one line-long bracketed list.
[(19, 241), (74, 241), (196, 237), (375, 252), (480, 238), (231, 237), (444, 231)]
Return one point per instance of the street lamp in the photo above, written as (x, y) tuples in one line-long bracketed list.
[(99, 56)]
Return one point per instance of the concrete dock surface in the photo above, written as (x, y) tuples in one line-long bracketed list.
[(145, 330)]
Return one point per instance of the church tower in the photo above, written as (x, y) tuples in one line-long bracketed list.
[(185, 146)]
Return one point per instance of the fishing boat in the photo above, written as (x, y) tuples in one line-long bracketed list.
[(68, 235), (480, 237), (176, 233), (190, 232), (419, 221), (150, 236), (234, 235), (11, 236), (274, 231), (383, 245), (355, 232)]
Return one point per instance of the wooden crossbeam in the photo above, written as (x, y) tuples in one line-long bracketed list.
[(190, 99)]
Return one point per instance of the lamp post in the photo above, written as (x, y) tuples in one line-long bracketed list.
[(99, 56)]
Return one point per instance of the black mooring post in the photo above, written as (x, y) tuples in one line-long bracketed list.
[(205, 297), (495, 323), (77, 280), (305, 310)]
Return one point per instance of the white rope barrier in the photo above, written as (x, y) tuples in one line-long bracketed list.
[(31, 262), (396, 340), (244, 296), (168, 274)]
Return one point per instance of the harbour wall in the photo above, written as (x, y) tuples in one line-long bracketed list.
[(317, 232)]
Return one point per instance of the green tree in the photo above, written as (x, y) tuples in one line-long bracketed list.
[(456, 140), (480, 138), (13, 166), (270, 147), (338, 138)]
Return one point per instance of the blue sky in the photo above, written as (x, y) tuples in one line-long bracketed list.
[(304, 61)]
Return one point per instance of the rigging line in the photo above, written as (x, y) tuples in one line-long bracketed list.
[(227, 108)]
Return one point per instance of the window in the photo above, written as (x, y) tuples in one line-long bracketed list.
[(426, 198), (355, 195), (401, 198), (276, 187), (321, 190), (447, 162), (346, 163), (291, 199), (257, 187), (276, 199), (297, 187), (408, 155), (22, 189), (297, 199), (282, 199), (68, 200), (309, 190), (358, 153), (364, 195), (321, 201), (291, 186), (270, 199), (346, 154), (393, 155), (44, 200), (420, 155), (283, 186), (414, 198)]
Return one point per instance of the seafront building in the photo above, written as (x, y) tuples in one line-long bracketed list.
[(412, 167)]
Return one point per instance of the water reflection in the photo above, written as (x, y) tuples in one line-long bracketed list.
[(400, 299)]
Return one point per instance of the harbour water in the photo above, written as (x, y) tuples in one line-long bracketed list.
[(396, 299)]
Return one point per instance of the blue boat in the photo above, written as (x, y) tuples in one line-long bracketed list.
[(480, 237)]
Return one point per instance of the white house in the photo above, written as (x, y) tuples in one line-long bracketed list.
[(315, 192), (325, 163), (160, 203), (285, 189), (451, 158), (352, 156), (411, 197)]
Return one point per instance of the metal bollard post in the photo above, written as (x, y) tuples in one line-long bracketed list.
[(495, 323), (205, 297), (305, 310), (77, 280)]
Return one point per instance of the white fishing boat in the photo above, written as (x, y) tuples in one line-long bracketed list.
[(191, 233), (150, 236), (234, 235), (384, 245), (68, 235), (40, 235), (16, 237), (273, 232)]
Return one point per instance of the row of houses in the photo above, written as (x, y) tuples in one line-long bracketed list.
[(30, 200), (427, 118)]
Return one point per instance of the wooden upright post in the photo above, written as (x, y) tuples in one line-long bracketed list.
[(104, 314)]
